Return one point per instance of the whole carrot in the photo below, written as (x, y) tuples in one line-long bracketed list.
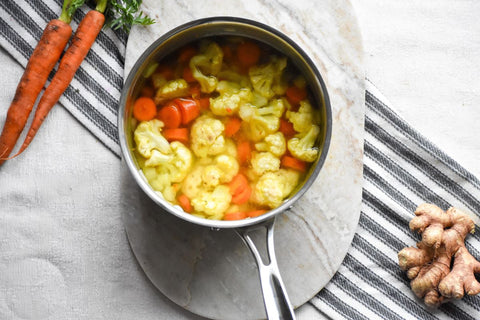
[(82, 41), (44, 57), (127, 15)]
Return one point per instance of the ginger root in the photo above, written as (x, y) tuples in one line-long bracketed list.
[(434, 277)]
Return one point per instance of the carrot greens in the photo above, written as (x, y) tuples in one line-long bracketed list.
[(123, 14)]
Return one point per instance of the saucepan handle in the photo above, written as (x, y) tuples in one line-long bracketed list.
[(275, 298)]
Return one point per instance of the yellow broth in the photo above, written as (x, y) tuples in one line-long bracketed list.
[(225, 128)]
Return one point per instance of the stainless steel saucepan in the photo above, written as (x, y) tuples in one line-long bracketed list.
[(276, 301)]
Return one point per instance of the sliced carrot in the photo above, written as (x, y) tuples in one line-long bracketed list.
[(232, 126), (170, 115), (184, 202), (147, 91), (240, 189), (237, 215), (188, 75), (243, 196), (144, 109), (294, 163), (248, 53), (204, 103), (186, 53), (295, 94), (286, 127), (238, 183), (189, 109), (256, 213), (244, 152), (176, 134)]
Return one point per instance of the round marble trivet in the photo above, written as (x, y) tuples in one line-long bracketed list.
[(211, 272)]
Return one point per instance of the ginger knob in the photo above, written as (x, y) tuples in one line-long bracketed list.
[(440, 267)]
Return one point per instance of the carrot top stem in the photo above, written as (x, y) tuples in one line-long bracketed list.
[(101, 5), (68, 9)]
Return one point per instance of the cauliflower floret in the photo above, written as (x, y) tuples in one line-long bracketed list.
[(263, 162), (163, 170), (147, 138), (209, 173), (231, 148), (267, 79), (274, 143), (211, 176), (261, 121), (222, 170), (303, 147), (304, 118), (170, 90), (233, 76), (228, 165), (159, 181), (193, 183), (207, 136), (164, 163), (273, 187), (177, 163), (213, 203), (206, 65), (231, 97), (258, 100)]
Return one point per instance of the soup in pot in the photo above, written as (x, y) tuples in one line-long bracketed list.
[(225, 128)]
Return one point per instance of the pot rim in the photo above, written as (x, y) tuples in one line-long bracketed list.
[(176, 210)]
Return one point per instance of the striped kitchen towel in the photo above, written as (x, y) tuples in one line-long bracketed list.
[(401, 169)]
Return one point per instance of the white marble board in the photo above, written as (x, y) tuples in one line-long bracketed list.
[(212, 273)]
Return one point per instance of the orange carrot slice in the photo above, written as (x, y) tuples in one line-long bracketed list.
[(170, 115), (294, 163), (238, 184), (189, 109), (286, 127), (256, 213), (144, 109), (184, 202), (244, 152), (295, 94), (232, 126), (248, 53), (204, 103), (176, 134), (243, 196), (238, 215)]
